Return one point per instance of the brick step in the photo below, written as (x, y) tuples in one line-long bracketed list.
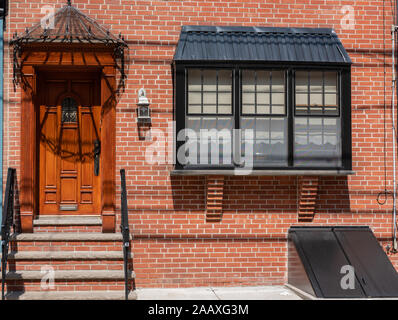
[(71, 295)]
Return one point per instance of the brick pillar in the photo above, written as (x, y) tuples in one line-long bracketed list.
[(307, 197), (214, 198)]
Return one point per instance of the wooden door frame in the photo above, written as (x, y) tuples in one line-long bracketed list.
[(62, 60)]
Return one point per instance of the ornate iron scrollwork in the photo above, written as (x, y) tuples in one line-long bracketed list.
[(69, 110), (70, 26)]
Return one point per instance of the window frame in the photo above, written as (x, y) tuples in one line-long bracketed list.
[(180, 99)]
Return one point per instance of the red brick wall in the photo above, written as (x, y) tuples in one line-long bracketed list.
[(174, 245)]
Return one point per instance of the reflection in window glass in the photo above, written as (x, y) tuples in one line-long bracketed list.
[(269, 144), (212, 138), (210, 116), (317, 142)]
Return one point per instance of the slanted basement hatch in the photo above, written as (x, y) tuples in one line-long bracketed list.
[(319, 259)]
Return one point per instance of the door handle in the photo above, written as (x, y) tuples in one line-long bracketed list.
[(97, 152)]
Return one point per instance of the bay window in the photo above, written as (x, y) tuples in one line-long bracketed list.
[(279, 116)]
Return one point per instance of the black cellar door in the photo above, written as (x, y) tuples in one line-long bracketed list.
[(319, 253)]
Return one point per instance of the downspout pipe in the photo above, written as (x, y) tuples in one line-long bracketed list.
[(395, 248), (3, 13)]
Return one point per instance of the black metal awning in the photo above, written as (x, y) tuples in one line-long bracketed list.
[(260, 44), (66, 27)]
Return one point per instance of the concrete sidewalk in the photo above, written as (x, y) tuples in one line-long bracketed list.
[(218, 293)]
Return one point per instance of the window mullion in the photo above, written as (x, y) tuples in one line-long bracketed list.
[(289, 83)]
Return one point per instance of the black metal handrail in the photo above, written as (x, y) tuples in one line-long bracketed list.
[(124, 228), (6, 224)]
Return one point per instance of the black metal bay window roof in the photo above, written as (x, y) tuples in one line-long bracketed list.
[(309, 45)]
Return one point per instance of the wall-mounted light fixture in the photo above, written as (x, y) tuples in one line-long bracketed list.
[(143, 112)]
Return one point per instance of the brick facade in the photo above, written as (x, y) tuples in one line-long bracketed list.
[(174, 244)]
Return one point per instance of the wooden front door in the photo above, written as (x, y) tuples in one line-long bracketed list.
[(69, 144)]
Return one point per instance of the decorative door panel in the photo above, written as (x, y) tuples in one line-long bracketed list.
[(69, 131)]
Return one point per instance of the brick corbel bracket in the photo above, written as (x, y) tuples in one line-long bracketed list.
[(307, 197), (214, 198)]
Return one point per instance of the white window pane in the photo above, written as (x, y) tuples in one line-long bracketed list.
[(316, 81), (248, 108), (263, 98), (316, 99), (278, 98), (263, 81), (263, 109), (224, 108), (278, 109), (224, 98), (248, 98), (209, 98), (330, 99), (330, 81), (248, 80), (194, 108), (278, 81), (210, 80), (301, 81), (209, 108), (194, 80), (301, 99), (194, 98)]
